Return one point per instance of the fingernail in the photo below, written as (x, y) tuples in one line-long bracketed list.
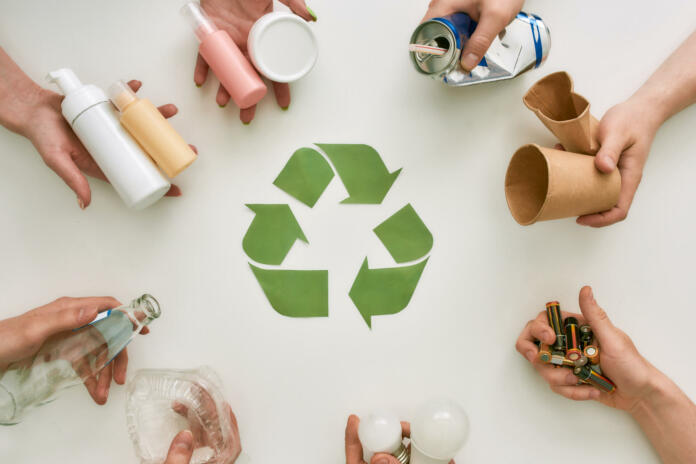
[(311, 13), (198, 85), (221, 106), (285, 108), (246, 123), (81, 314), (531, 355), (80, 203), (184, 441), (470, 61)]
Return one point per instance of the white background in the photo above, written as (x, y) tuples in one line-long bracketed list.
[(293, 382)]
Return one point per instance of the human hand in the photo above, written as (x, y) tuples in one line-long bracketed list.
[(23, 336), (60, 148), (492, 17), (625, 134), (236, 17), (633, 375), (354, 450), (186, 441)]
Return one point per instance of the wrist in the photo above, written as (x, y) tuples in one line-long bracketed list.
[(659, 392), (19, 103), (652, 106)]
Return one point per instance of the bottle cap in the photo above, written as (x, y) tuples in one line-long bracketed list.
[(121, 95), (78, 97), (201, 24)]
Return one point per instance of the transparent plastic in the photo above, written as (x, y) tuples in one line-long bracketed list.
[(69, 358), (201, 24), (161, 403), (121, 95)]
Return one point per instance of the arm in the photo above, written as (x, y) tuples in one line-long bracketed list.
[(663, 411), (627, 130)]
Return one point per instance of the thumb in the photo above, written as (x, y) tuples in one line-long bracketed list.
[(382, 458), (300, 8), (181, 449), (594, 315), (63, 165), (611, 147), (489, 26)]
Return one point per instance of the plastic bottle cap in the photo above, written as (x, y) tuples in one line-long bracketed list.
[(201, 24), (121, 95), (78, 97)]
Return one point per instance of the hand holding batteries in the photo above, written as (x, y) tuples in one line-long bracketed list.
[(23, 336), (620, 359), (236, 17), (492, 17)]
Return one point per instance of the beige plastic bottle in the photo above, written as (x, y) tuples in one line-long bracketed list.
[(151, 130)]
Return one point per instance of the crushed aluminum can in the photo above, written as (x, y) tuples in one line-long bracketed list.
[(524, 44)]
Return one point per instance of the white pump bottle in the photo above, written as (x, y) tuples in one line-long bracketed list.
[(95, 122)]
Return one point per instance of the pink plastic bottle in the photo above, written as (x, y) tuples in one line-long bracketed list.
[(235, 72)]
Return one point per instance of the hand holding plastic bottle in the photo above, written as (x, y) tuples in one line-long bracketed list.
[(662, 410), (35, 113), (186, 441), (492, 17), (23, 336), (236, 17)]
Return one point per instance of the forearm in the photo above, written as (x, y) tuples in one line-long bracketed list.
[(18, 94), (673, 86), (668, 418)]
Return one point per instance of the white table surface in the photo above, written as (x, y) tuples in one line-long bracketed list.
[(293, 382)]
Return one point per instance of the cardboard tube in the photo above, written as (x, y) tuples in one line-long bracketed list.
[(544, 183), (564, 112)]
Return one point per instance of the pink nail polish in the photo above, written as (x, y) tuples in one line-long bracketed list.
[(235, 72)]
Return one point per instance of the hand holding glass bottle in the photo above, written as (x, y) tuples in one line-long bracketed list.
[(35, 113), (236, 17), (58, 345)]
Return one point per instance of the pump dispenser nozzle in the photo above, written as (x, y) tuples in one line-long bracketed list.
[(65, 79)]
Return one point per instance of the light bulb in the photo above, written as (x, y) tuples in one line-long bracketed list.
[(380, 432), (438, 432)]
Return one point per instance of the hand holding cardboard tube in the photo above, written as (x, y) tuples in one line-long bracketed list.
[(237, 17), (663, 411)]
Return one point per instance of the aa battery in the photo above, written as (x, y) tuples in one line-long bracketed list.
[(572, 339), (596, 379), (592, 353), (586, 335), (558, 359), (544, 353), (553, 313)]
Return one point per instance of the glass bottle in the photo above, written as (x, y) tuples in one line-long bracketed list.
[(69, 358)]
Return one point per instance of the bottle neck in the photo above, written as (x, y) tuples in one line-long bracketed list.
[(143, 310)]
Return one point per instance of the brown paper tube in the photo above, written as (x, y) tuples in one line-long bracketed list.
[(564, 112), (544, 183)]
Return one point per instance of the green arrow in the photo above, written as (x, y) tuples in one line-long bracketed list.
[(295, 293), (271, 234), (377, 292), (362, 171), (305, 176), (405, 235)]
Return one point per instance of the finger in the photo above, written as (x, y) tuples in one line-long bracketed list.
[(630, 180), (610, 149), (534, 330), (603, 219), (300, 8), (135, 85), (490, 25), (405, 429), (67, 314), (354, 451), (246, 115), (577, 393), (436, 9), (555, 376), (120, 364), (595, 316), (168, 110), (104, 383), (193, 147), (181, 449), (174, 191), (282, 94), (200, 73), (62, 164), (223, 97), (383, 458)]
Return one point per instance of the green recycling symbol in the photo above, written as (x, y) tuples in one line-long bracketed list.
[(274, 230)]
